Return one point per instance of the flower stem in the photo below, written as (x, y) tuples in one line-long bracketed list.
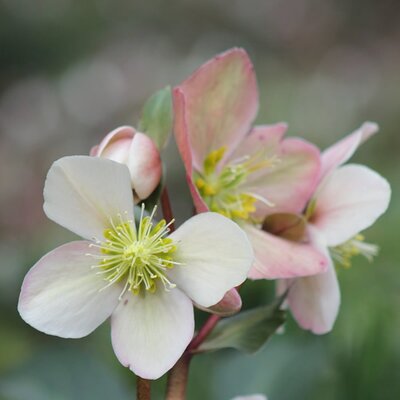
[(205, 330), (177, 379), (142, 389), (178, 375), (166, 208)]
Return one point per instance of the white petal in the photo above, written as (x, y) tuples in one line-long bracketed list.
[(315, 300), (216, 256), (251, 397), (61, 295), (151, 331), (82, 193), (350, 200)]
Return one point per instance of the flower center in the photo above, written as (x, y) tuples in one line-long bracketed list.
[(343, 253), (140, 257), (221, 189)]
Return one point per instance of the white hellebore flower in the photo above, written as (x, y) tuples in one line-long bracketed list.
[(144, 280)]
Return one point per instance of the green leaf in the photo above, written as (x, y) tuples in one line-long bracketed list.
[(247, 331), (156, 119)]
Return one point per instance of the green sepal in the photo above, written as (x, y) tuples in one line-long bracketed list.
[(247, 331), (156, 120)]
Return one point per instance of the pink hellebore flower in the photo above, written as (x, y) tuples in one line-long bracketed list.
[(347, 200), (138, 152), (241, 172), (130, 271)]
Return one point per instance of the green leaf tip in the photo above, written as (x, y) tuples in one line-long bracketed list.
[(156, 120), (247, 331)]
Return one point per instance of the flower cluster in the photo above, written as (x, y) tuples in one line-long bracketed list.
[(267, 207), (301, 209)]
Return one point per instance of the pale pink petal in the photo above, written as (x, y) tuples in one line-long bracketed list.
[(349, 201), (182, 141), (117, 151), (220, 101), (94, 150), (123, 133), (181, 129), (230, 304), (280, 258), (290, 183), (63, 296), (216, 256), (84, 193), (315, 300), (262, 140), (144, 165), (341, 151), (150, 331)]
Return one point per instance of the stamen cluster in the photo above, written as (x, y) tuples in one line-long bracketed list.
[(139, 256), (344, 253), (221, 189)]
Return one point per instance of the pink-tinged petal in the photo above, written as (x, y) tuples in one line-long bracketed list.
[(94, 150), (290, 182), (349, 201), (122, 134), (221, 101), (263, 139), (277, 258), (230, 304), (340, 152), (199, 204), (150, 332), (84, 193), (215, 255), (144, 165), (181, 129), (63, 296), (315, 300), (182, 141)]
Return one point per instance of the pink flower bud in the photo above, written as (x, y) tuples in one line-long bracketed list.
[(230, 304), (138, 152)]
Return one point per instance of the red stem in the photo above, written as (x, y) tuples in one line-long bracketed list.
[(142, 389), (166, 208), (205, 330)]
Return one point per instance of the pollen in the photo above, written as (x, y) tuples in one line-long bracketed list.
[(221, 188), (137, 257), (344, 253)]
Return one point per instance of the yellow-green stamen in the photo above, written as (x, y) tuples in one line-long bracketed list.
[(221, 189), (343, 253), (139, 257)]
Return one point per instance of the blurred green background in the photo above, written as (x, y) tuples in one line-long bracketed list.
[(71, 71)]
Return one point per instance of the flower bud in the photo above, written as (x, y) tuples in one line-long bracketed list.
[(230, 304), (138, 152)]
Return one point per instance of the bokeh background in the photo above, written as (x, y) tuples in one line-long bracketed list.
[(71, 71)]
